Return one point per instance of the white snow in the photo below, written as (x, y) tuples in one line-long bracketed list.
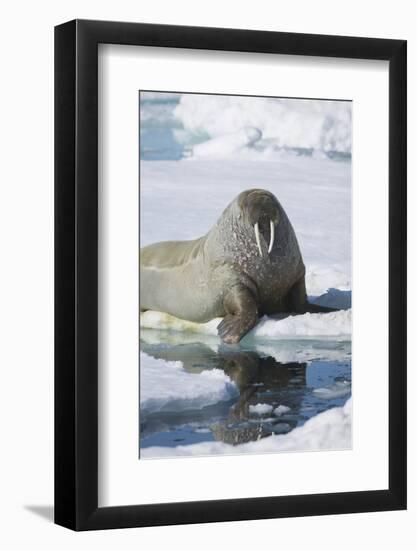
[(224, 146), (289, 123), (310, 325), (326, 431), (335, 324), (167, 386), (260, 408)]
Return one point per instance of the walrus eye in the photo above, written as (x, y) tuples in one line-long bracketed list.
[(271, 238)]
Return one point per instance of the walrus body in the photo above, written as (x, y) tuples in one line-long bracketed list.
[(247, 265)]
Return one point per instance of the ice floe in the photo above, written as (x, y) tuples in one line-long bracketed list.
[(281, 409), (303, 124), (260, 408), (328, 430), (167, 386), (338, 389)]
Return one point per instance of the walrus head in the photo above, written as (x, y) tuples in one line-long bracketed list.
[(261, 210)]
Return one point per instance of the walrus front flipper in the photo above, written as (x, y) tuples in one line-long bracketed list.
[(241, 314)]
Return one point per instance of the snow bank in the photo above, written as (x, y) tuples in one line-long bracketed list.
[(310, 325), (326, 431), (167, 386), (224, 146), (283, 123)]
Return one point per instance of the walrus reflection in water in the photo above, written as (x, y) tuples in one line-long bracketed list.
[(260, 379), (249, 264)]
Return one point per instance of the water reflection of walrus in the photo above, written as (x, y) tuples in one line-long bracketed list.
[(245, 368), (247, 265), (260, 379), (263, 383)]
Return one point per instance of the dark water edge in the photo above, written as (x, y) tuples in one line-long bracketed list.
[(302, 389)]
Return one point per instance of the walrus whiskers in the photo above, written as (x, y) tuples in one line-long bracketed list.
[(258, 240)]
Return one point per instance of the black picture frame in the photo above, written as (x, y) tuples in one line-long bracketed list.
[(76, 272)]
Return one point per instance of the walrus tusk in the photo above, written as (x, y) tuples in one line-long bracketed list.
[(258, 240), (272, 238)]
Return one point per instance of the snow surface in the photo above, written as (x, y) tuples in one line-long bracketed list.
[(326, 431), (281, 122), (227, 144), (310, 325), (165, 385)]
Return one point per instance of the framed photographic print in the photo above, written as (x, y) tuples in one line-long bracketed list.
[(230, 275)]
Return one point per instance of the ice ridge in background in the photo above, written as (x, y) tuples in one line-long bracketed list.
[(174, 126)]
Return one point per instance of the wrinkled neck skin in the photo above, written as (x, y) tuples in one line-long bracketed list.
[(232, 241)]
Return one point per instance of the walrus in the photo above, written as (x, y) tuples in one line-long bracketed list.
[(248, 265)]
